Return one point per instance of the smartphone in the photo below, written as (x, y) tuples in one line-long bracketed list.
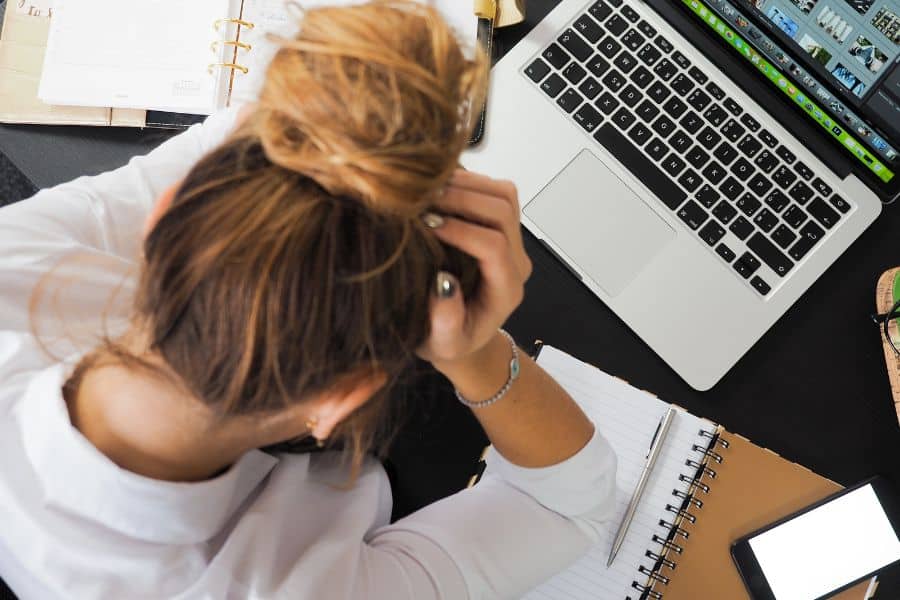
[(824, 548)]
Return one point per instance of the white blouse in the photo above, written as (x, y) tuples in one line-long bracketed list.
[(75, 525)]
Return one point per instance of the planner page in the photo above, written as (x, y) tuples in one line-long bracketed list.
[(144, 54), (628, 418)]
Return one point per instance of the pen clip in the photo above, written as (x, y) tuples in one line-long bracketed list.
[(653, 441)]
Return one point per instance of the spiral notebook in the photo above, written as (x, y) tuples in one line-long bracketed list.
[(708, 488), (167, 55)]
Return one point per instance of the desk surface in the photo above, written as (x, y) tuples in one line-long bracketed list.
[(813, 389)]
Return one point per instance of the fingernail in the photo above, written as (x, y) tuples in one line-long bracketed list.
[(445, 285), (432, 220)]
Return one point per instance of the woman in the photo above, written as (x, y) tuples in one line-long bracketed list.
[(294, 261)]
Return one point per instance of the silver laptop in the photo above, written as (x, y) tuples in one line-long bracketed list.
[(679, 200)]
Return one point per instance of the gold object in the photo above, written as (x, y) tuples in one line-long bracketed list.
[(215, 45), (239, 22), (234, 66), (509, 12), (485, 9)]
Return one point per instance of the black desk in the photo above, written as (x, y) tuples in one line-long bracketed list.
[(814, 389)]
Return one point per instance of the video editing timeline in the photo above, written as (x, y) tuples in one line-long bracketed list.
[(725, 20)]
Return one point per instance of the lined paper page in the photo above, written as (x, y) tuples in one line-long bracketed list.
[(628, 418)]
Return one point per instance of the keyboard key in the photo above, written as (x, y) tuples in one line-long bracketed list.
[(630, 14), (732, 107), (840, 204), (716, 115), (794, 216), (770, 254), (537, 70), (556, 56), (809, 237), (682, 84), (767, 138), (725, 153), (759, 185), (590, 87), (597, 65), (640, 134), (609, 46), (698, 75), (674, 107), (784, 177), (649, 55), (691, 121), (783, 236), (681, 142), (647, 29), (746, 265), (742, 169), (692, 214), (663, 44), (785, 154), (616, 3), (633, 40), (665, 69), (569, 100), (697, 157), (708, 138), (647, 111), (733, 130), (588, 27), (657, 149), (607, 103), (760, 286), (574, 72), (750, 123), (588, 117), (645, 171), (625, 61), (776, 200), (631, 95), (690, 180), (823, 213), (801, 193), (659, 92), (572, 42), (707, 195), (664, 126), (725, 212), (748, 205), (741, 228), (725, 252), (600, 11), (804, 171), (616, 25), (714, 172), (623, 118), (749, 146), (766, 220), (673, 165), (711, 233), (715, 91), (821, 187), (553, 85), (699, 100), (766, 161), (641, 77), (614, 81), (682, 60), (732, 188)]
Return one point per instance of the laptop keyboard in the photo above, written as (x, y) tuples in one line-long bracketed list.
[(728, 179)]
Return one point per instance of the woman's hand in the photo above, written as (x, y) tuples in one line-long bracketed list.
[(481, 218)]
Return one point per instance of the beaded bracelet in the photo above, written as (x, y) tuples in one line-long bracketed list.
[(514, 369)]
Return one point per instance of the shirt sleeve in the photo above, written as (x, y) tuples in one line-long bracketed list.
[(512, 531)]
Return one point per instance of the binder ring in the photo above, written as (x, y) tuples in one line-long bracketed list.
[(694, 482), (673, 527), (234, 66), (239, 22), (699, 466), (706, 452), (667, 544), (681, 513), (715, 437), (688, 497), (661, 559), (646, 590), (215, 45), (654, 575)]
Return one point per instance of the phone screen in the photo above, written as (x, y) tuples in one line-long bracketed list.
[(828, 547)]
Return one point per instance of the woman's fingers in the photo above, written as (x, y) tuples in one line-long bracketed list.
[(484, 184), (448, 320)]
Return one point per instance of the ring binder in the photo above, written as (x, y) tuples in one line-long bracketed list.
[(646, 591), (694, 482), (688, 498), (215, 45), (707, 452), (239, 22), (681, 513), (654, 575), (233, 66), (668, 545), (715, 437), (700, 466), (672, 526), (658, 558)]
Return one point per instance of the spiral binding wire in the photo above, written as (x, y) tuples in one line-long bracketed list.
[(236, 44), (687, 500)]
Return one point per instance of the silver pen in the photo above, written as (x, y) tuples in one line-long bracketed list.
[(662, 430)]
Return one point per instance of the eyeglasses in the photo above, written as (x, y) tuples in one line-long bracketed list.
[(885, 319)]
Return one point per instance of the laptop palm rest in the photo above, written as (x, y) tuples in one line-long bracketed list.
[(599, 223)]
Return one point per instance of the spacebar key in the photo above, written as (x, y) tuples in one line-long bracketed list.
[(640, 166)]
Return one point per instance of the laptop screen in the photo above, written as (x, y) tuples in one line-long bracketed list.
[(837, 61)]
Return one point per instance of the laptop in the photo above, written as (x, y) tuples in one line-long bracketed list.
[(684, 204)]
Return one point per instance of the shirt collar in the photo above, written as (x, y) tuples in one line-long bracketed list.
[(77, 478)]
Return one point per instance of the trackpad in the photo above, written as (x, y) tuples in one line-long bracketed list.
[(599, 223)]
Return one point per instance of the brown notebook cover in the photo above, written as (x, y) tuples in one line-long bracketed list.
[(750, 488)]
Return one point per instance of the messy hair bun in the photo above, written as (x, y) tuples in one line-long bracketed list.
[(375, 103)]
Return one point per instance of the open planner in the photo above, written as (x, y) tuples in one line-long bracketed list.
[(708, 488), (167, 55)]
